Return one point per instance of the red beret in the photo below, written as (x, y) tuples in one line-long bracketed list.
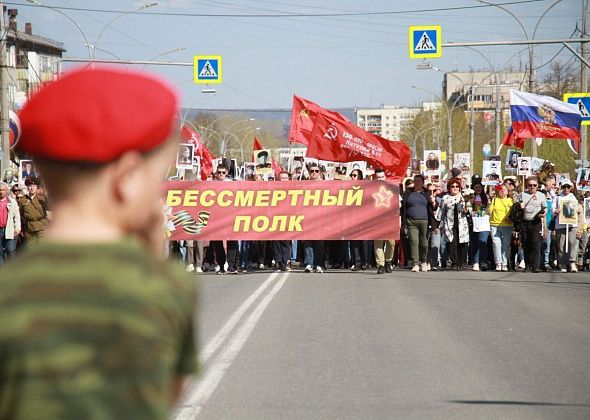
[(95, 115)]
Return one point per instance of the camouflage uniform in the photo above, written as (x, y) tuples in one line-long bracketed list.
[(34, 217), (93, 331)]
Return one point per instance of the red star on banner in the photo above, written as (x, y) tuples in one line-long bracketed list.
[(382, 197)]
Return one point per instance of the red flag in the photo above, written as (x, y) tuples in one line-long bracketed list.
[(342, 141), (302, 119), (258, 146), (511, 140), (190, 136)]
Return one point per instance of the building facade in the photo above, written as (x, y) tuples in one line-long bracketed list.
[(481, 88), (31, 60), (386, 121)]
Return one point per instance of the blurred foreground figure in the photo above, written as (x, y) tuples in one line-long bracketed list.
[(94, 324)]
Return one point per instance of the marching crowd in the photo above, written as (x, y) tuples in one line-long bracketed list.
[(444, 226), (451, 226)]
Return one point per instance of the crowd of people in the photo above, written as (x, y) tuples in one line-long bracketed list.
[(444, 226)]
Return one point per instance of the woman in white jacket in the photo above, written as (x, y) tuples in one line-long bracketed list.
[(9, 223)]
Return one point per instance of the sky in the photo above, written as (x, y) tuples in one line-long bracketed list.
[(338, 53)]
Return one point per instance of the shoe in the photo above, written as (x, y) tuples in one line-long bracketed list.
[(573, 267), (261, 266), (190, 268), (217, 268), (428, 267), (388, 268), (353, 268), (199, 270), (244, 270), (221, 272), (308, 268), (504, 267), (535, 270), (415, 268), (475, 267), (498, 267), (563, 270), (319, 269), (380, 270), (423, 267), (232, 272), (522, 264), (435, 268)]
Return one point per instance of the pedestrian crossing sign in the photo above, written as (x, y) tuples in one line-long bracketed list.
[(582, 103), (207, 69), (425, 41)]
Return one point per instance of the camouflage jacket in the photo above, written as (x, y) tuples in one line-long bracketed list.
[(93, 331)]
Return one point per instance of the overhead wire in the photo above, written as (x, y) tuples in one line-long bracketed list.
[(286, 14)]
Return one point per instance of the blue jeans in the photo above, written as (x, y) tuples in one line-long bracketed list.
[(6, 245), (501, 236), (480, 247), (435, 242), (546, 249)]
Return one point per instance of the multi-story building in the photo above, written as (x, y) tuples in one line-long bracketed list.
[(482, 85), (386, 121), (31, 60)]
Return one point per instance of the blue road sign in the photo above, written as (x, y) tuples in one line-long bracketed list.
[(582, 102), (425, 41), (208, 69)]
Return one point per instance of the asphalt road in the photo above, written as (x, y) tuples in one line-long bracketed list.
[(343, 345)]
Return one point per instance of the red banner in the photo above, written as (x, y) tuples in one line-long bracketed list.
[(303, 116), (282, 210), (192, 137), (342, 141)]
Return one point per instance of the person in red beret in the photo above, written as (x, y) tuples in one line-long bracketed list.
[(106, 329)]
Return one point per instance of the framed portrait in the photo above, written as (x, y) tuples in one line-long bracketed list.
[(587, 211), (26, 169), (568, 211), (185, 156), (432, 162), (296, 159), (494, 158), (583, 179), (360, 165), (511, 163), (9, 176), (524, 166), (262, 159), (536, 165), (492, 173), (415, 166), (462, 161)]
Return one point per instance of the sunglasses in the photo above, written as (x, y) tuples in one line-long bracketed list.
[(353, 175), (565, 186), (533, 185), (314, 170), (221, 172), (454, 186)]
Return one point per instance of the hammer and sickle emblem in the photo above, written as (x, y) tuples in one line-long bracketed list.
[(331, 133)]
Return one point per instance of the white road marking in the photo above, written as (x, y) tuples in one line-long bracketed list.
[(199, 393), (220, 337)]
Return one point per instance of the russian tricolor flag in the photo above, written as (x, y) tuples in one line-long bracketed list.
[(543, 116)]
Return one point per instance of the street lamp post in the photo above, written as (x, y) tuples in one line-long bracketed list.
[(531, 55), (449, 122), (105, 27), (71, 19)]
